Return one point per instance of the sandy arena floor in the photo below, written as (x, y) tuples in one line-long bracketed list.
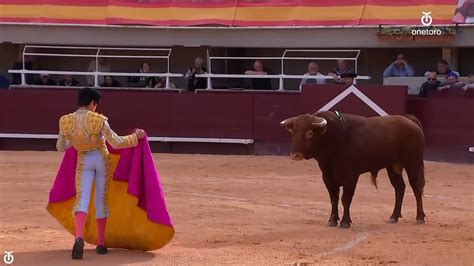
[(260, 210)]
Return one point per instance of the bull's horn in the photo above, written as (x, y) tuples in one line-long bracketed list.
[(323, 123), (287, 121)]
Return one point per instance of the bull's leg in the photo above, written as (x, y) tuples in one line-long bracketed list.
[(399, 185), (348, 193), (414, 175), (334, 194)]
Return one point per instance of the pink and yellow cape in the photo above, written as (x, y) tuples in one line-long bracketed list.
[(138, 219)]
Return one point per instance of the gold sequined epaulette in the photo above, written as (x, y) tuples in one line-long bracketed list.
[(94, 122), (66, 124)]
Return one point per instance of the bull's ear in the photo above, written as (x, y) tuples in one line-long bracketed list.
[(288, 123), (320, 125)]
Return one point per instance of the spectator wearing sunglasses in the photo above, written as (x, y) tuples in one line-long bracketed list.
[(432, 83)]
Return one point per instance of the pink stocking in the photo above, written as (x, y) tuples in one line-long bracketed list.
[(101, 231), (80, 222)]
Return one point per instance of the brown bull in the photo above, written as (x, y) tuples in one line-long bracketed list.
[(346, 146)]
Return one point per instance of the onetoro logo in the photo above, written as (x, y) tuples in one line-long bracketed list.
[(426, 19)]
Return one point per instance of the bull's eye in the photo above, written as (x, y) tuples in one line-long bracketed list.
[(309, 134)]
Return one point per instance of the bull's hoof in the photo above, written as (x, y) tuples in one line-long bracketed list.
[(392, 221), (345, 225), (420, 221), (332, 223)]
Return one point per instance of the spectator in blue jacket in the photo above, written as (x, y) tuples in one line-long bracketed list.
[(399, 68)]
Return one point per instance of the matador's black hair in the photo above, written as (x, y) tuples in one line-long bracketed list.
[(87, 95)]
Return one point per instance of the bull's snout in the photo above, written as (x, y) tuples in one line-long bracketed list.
[(296, 156)]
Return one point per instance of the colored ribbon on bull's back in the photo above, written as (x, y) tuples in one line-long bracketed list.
[(239, 13), (139, 217)]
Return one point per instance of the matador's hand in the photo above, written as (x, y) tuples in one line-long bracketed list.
[(140, 133)]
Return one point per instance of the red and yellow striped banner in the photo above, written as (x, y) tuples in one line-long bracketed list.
[(242, 13)]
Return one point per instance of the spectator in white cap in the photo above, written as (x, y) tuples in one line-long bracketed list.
[(44, 80), (310, 76)]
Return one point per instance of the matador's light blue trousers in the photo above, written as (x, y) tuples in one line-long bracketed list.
[(93, 168)]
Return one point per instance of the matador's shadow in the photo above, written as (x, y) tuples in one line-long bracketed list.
[(63, 257)]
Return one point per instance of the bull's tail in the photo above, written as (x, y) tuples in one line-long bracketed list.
[(421, 178), (373, 179), (414, 119), (421, 174)]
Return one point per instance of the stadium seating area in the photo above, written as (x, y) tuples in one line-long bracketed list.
[(109, 71)]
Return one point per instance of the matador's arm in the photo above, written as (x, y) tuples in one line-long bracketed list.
[(66, 125), (62, 144), (117, 141)]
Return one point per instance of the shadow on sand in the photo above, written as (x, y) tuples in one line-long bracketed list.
[(63, 257)]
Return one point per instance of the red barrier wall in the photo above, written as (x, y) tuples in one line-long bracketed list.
[(447, 117)]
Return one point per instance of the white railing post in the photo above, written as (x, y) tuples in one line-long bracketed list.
[(209, 65), (209, 85), (167, 81), (96, 79), (281, 83), (23, 78)]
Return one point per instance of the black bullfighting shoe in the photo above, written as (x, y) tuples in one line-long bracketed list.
[(78, 249), (101, 250)]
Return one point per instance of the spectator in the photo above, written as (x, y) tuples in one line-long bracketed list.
[(110, 82), (29, 78), (470, 84), (442, 69), (103, 67), (452, 83), (339, 70), (44, 80), (348, 78), (197, 68), (145, 82), (260, 83), (399, 68), (69, 81), (464, 12), (432, 83), (161, 84), (313, 70)]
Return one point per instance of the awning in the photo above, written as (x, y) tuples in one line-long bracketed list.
[(237, 13)]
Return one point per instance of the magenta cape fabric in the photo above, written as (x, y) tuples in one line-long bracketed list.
[(135, 166)]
